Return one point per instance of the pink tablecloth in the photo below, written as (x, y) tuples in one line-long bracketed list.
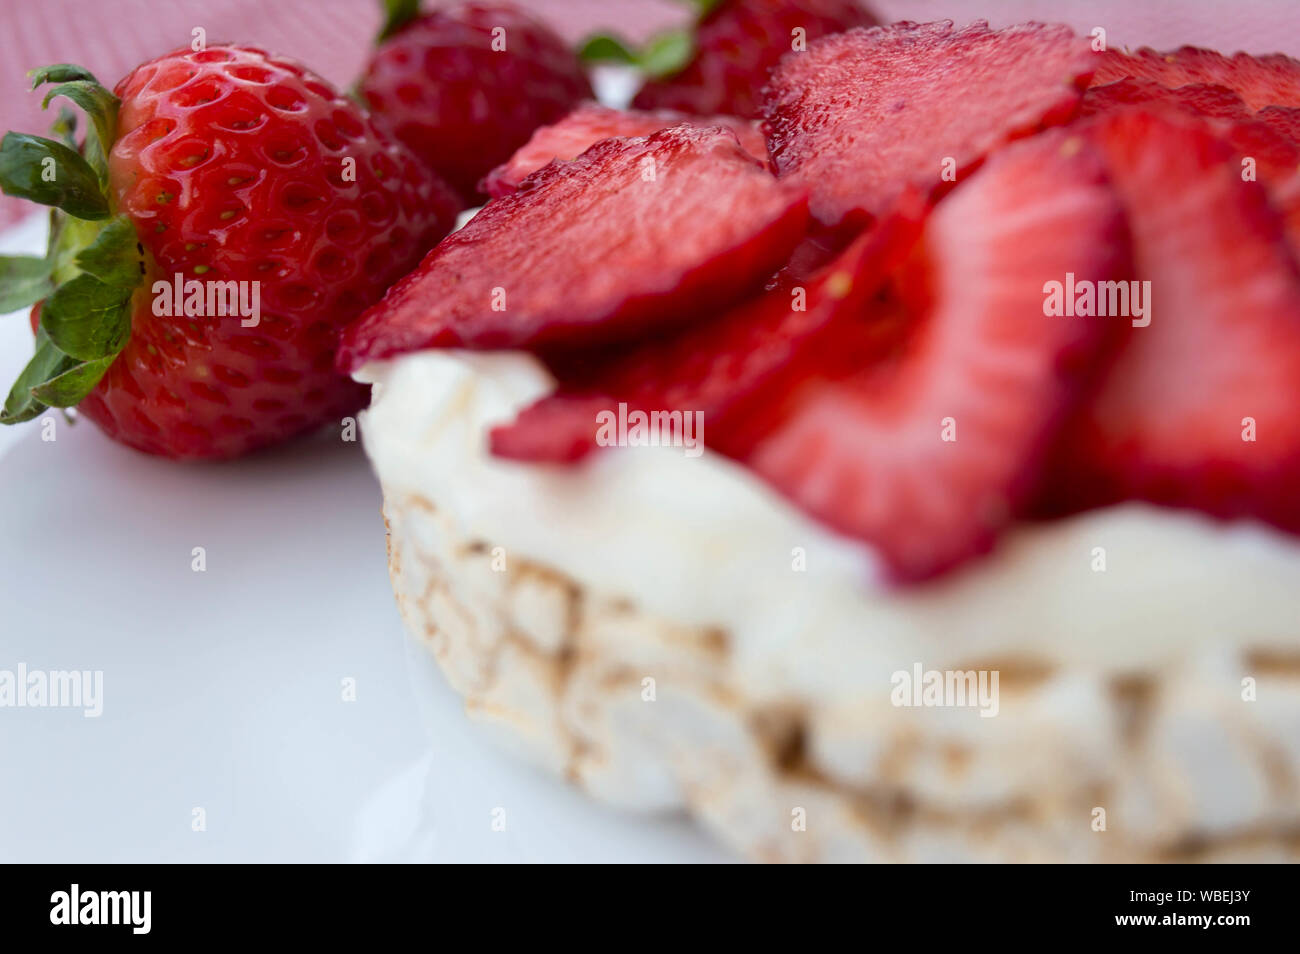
[(112, 36)]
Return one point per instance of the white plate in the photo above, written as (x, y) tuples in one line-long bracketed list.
[(223, 689)]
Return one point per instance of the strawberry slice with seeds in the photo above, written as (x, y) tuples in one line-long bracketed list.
[(1260, 81), (863, 113), (1269, 139), (635, 234), (1202, 99), (929, 450), (1267, 136), (589, 124), (1283, 120), (711, 367), (1172, 420)]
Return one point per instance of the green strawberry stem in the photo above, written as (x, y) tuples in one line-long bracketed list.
[(93, 262), (664, 54), (702, 8), (397, 14)]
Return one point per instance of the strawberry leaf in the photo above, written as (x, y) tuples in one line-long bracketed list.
[(101, 107), (60, 73), (664, 54), (48, 362), (702, 7), (397, 14), (94, 262), (87, 319), (65, 127), (67, 389), (50, 173), (667, 53), (114, 257), (605, 48), (24, 280)]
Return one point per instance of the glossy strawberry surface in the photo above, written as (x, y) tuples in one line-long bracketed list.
[(928, 443), (590, 123), (464, 86), (766, 342), (1260, 81), (1199, 408), (865, 113), (737, 43), (236, 165), (632, 237)]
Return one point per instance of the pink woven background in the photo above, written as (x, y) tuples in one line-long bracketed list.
[(332, 36)]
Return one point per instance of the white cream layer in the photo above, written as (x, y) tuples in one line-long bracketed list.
[(702, 541)]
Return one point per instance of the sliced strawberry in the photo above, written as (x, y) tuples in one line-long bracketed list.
[(1283, 120), (589, 124), (1223, 343), (633, 235), (1269, 139), (1286, 197), (1260, 81), (865, 450), (1199, 98), (1275, 162), (863, 113), (710, 367), (1267, 136)]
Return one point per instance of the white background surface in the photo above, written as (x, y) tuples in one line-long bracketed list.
[(223, 689)]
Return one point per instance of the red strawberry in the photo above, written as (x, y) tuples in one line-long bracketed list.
[(862, 444), (1223, 343), (228, 165), (866, 112), (711, 366), (1265, 138), (1276, 162), (589, 124), (1199, 98), (1260, 81), (734, 47), (464, 86), (635, 234), (1283, 120), (1286, 196)]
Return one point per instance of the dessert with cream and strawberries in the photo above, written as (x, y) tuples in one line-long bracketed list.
[(991, 553), (881, 442)]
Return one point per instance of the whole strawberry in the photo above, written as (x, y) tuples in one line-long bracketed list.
[(227, 214), (465, 86), (735, 44)]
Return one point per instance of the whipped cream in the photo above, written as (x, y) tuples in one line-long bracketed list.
[(702, 541)]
